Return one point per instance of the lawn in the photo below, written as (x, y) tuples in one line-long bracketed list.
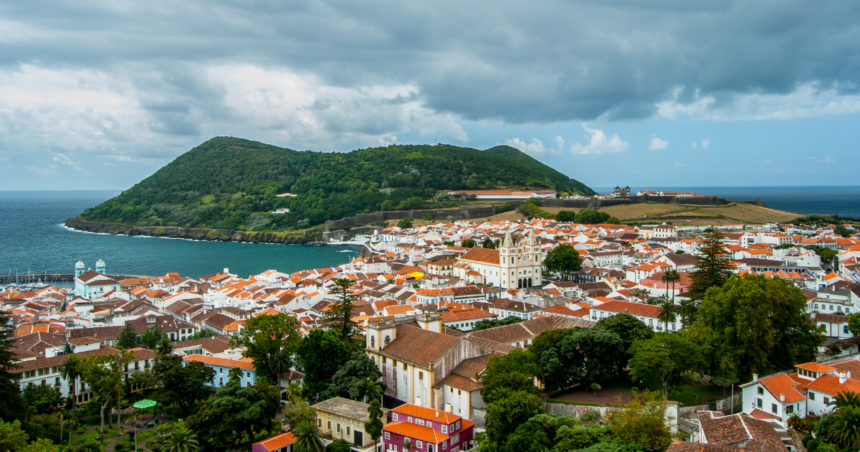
[(110, 432), (697, 395)]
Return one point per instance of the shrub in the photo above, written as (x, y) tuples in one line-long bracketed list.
[(591, 416)]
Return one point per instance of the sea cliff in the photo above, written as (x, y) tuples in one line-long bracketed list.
[(219, 235)]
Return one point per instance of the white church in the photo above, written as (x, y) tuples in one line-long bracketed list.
[(512, 266), (93, 284)]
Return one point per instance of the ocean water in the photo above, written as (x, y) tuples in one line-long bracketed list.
[(33, 239), (842, 201)]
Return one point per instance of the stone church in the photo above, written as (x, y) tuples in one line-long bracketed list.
[(512, 266)]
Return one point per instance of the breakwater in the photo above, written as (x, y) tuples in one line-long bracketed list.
[(52, 277)]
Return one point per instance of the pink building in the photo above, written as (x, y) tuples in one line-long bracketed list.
[(282, 442), (427, 429)]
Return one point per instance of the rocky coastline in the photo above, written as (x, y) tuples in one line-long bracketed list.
[(217, 235)]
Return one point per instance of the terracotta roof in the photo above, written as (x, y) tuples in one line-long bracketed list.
[(419, 346), (276, 442), (419, 432), (484, 255), (630, 308), (829, 384), (459, 382), (421, 412), (465, 314), (42, 363), (815, 367), (243, 363), (783, 384)]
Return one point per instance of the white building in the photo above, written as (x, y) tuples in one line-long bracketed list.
[(93, 284), (510, 266)]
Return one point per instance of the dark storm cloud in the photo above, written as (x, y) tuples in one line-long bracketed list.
[(518, 62)]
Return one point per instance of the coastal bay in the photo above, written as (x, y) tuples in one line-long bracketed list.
[(33, 239)]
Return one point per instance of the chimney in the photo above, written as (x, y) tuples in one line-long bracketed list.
[(437, 413), (842, 378), (755, 377), (226, 270), (782, 398), (848, 374)]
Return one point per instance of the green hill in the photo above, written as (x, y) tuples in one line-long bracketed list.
[(231, 183), (527, 161)]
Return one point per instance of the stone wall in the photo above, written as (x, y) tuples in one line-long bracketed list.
[(461, 213), (479, 417)]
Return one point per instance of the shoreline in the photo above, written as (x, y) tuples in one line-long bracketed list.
[(195, 234)]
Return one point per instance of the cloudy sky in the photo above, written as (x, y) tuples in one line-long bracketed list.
[(100, 94)]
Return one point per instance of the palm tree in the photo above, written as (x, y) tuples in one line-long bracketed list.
[(845, 428), (845, 399), (71, 371), (367, 390), (163, 348), (668, 313), (182, 439), (671, 276), (308, 438)]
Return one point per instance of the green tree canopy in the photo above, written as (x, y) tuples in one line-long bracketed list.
[(758, 325), (505, 415), (712, 265), (235, 411), (628, 328), (271, 341), (181, 384), (152, 337), (373, 427), (564, 260), (590, 355), (339, 314), (642, 422), (405, 223), (128, 338), (350, 380), (665, 361), (321, 353)]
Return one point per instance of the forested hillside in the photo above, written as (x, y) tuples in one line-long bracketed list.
[(232, 183)]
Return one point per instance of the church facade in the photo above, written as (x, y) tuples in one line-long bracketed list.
[(512, 266)]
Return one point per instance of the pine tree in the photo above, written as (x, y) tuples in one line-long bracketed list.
[(11, 402), (339, 315), (712, 267)]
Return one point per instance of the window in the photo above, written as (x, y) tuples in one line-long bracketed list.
[(826, 400), (329, 425), (347, 430), (409, 419), (404, 366), (760, 390), (773, 408), (338, 428), (844, 329), (811, 395), (419, 444), (419, 421), (421, 374), (372, 342), (387, 436), (445, 429), (393, 418), (458, 427), (429, 424), (759, 403), (789, 409)]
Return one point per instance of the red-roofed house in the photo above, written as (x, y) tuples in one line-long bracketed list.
[(427, 430), (279, 443), (647, 313)]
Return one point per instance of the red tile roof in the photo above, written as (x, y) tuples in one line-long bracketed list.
[(276, 442), (243, 363)]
